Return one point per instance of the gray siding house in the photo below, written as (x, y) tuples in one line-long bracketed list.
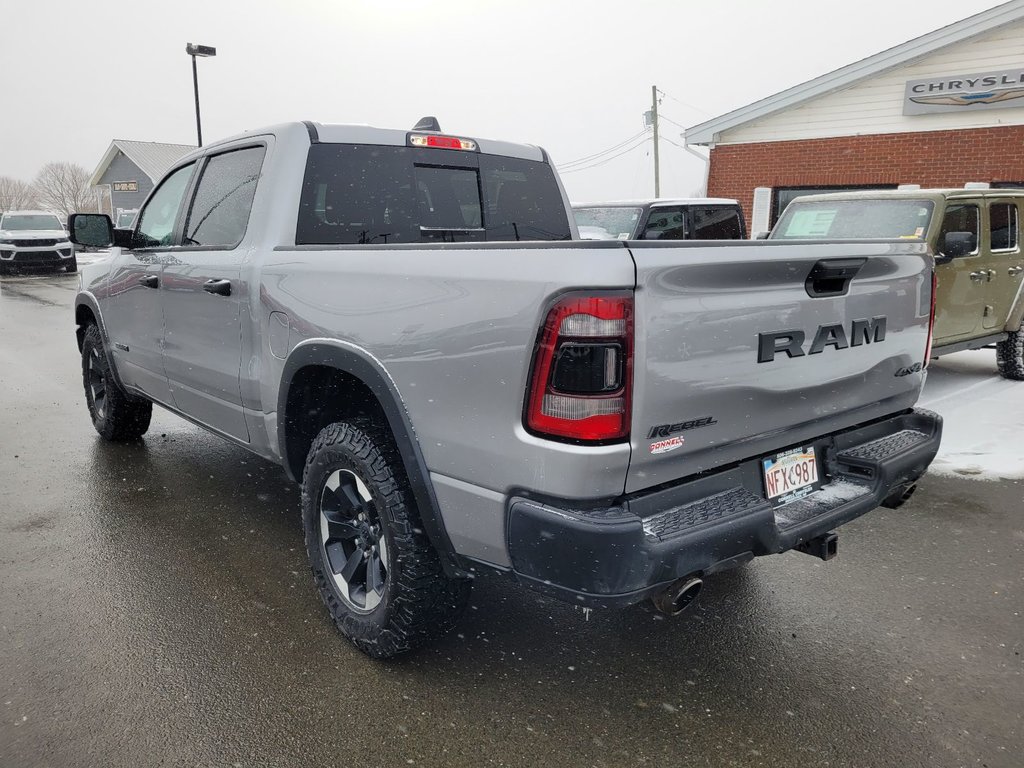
[(131, 168)]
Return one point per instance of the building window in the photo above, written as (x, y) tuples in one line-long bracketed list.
[(783, 196)]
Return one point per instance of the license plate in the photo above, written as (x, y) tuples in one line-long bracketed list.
[(791, 475)]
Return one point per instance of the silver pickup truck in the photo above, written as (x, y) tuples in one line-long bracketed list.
[(405, 321)]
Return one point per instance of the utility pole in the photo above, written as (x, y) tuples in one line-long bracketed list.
[(654, 120)]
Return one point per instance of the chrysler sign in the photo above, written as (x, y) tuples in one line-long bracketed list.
[(965, 93)]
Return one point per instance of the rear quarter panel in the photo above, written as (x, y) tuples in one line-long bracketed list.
[(454, 327)]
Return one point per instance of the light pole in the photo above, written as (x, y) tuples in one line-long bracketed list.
[(193, 51)]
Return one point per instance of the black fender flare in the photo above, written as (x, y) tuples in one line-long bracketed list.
[(358, 363), (89, 301)]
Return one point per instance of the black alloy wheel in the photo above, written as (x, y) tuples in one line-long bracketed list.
[(353, 541)]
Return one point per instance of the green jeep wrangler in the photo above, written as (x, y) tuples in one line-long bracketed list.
[(975, 237)]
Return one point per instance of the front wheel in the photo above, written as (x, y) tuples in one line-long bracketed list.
[(1010, 356), (72, 266), (115, 414), (375, 568)]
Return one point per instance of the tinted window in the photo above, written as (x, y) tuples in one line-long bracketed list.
[(666, 224), (716, 223), (961, 218), (156, 222), (374, 194), (223, 199), (1003, 226)]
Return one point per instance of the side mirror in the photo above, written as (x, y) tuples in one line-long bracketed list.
[(94, 230), (958, 244)]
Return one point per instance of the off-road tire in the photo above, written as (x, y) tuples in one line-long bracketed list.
[(1010, 356), (116, 415), (419, 601), (72, 266)]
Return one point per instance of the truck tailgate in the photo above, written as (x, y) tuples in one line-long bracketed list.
[(721, 373)]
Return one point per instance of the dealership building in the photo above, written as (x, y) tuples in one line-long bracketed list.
[(130, 169), (942, 110)]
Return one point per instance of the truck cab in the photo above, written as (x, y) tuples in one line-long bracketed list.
[(697, 218)]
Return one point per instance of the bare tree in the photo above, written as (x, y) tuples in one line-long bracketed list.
[(16, 194), (64, 188)]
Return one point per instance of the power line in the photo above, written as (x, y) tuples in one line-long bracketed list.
[(605, 160), (679, 101), (680, 125), (596, 155)]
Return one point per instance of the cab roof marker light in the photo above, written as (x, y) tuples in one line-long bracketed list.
[(442, 142)]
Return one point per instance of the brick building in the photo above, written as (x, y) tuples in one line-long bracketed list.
[(942, 110)]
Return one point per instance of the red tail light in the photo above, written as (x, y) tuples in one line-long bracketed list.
[(581, 382), (931, 322)]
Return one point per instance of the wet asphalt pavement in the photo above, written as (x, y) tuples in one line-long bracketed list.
[(156, 608)]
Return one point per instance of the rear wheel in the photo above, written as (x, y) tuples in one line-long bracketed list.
[(375, 568), (115, 414), (1010, 356)]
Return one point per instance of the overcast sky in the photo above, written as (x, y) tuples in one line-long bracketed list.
[(574, 77)]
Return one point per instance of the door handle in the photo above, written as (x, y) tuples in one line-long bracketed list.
[(219, 287), (977, 277), (150, 281), (991, 274), (1014, 271)]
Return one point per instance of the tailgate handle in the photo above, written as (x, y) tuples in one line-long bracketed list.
[(831, 277)]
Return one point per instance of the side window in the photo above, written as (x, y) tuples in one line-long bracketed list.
[(716, 223), (223, 199), (961, 218), (156, 222), (1002, 226), (665, 224)]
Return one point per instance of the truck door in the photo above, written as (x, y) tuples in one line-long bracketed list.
[(961, 291), (134, 314), (1005, 262), (203, 293)]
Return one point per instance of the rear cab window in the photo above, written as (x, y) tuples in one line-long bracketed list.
[(379, 195)]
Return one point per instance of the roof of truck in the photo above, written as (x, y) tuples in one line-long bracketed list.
[(324, 133), (912, 194), (658, 202)]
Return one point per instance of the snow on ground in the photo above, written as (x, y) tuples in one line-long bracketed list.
[(983, 417)]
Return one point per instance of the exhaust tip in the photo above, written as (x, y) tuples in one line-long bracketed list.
[(899, 497), (678, 596)]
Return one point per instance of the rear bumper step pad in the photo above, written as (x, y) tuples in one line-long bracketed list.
[(620, 553)]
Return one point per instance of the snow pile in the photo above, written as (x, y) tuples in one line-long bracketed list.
[(983, 415)]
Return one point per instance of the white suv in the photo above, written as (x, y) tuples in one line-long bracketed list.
[(34, 238)]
